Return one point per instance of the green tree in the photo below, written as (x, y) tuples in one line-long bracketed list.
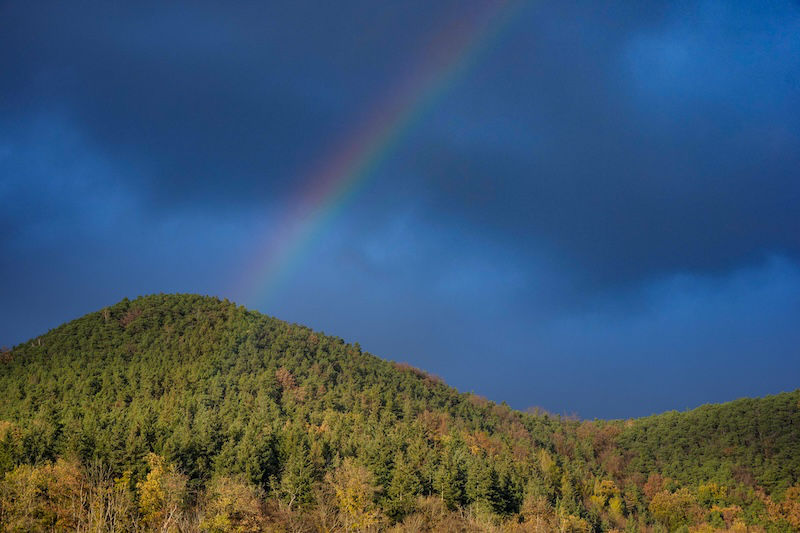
[(297, 479), (401, 494)]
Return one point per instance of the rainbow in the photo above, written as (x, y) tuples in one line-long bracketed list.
[(335, 179)]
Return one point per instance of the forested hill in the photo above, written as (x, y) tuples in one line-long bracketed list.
[(186, 413)]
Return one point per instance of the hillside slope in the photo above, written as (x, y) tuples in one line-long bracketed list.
[(754, 441), (174, 403)]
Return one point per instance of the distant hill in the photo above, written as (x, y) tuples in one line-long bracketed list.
[(185, 413)]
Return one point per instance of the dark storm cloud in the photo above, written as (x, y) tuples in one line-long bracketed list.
[(637, 140), (644, 143), (220, 103)]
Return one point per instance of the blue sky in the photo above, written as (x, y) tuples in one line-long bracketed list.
[(599, 216)]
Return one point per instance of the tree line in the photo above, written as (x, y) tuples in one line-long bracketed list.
[(188, 413)]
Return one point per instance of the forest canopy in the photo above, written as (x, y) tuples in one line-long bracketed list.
[(190, 413)]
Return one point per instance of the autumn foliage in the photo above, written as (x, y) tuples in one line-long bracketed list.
[(185, 413)]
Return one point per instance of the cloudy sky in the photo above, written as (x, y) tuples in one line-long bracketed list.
[(597, 213)]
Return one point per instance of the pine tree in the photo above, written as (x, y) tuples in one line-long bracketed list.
[(403, 490)]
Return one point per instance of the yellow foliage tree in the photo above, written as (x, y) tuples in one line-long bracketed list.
[(616, 507), (46, 497), (790, 506), (673, 509), (161, 495), (354, 490), (574, 524), (233, 505), (711, 493), (603, 492)]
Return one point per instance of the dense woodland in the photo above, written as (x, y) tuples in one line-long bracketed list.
[(187, 413)]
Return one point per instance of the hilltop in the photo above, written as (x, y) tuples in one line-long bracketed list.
[(190, 413)]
